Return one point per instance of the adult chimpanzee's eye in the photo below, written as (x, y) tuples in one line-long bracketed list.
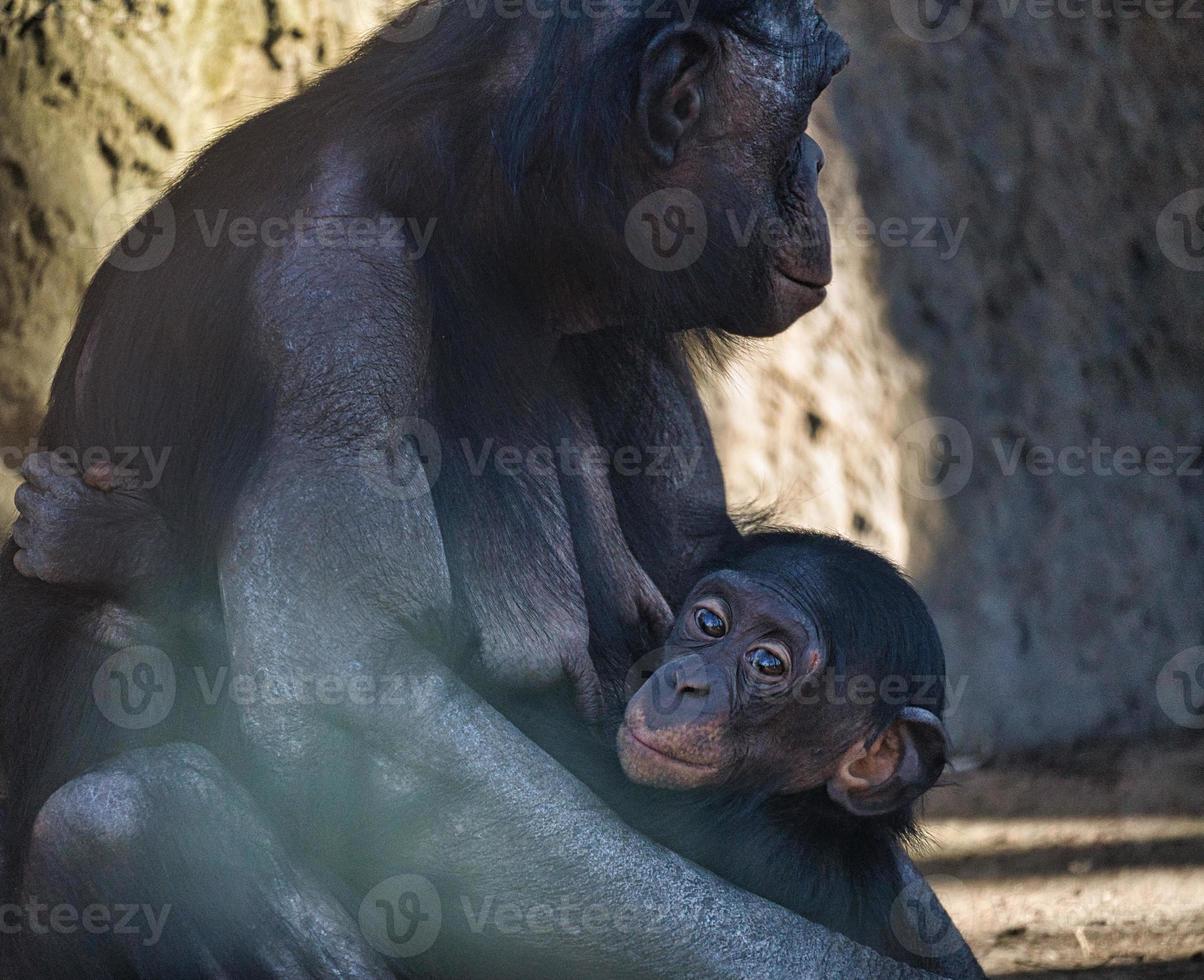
[(767, 662), (710, 622)]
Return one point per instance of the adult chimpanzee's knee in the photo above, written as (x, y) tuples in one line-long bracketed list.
[(101, 891)]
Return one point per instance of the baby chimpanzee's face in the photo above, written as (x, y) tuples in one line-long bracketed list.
[(742, 697), (738, 653)]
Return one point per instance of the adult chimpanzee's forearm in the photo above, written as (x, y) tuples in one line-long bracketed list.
[(928, 918), (425, 777), (535, 875)]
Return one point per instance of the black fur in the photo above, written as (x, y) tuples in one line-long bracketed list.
[(801, 850)]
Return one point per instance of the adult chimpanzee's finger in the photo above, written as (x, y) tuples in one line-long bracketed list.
[(28, 499), (41, 468), (24, 564), (22, 532)]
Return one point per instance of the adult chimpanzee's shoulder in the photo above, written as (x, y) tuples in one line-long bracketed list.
[(337, 297)]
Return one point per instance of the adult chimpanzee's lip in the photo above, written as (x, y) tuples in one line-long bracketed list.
[(817, 285), (626, 731), (810, 294)]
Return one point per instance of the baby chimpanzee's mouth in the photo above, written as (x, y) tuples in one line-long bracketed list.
[(643, 742)]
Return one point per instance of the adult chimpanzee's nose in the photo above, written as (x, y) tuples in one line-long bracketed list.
[(690, 678), (813, 155)]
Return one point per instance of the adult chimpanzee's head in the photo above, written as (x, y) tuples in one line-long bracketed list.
[(805, 661), (650, 161)]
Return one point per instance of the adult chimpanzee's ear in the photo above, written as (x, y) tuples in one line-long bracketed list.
[(672, 73), (895, 769)]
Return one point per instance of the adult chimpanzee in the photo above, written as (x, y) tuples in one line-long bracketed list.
[(796, 713), (280, 375)]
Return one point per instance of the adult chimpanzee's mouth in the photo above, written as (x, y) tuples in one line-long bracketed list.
[(810, 291)]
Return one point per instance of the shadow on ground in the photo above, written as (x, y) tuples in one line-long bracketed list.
[(1084, 862)]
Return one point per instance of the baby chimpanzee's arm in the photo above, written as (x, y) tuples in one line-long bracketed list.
[(98, 530)]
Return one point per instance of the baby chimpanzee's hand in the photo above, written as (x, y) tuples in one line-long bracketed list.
[(100, 530)]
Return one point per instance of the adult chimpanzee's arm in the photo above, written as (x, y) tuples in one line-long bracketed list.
[(442, 785), (328, 576)]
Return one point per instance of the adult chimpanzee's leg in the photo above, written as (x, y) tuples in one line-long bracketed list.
[(158, 864), (271, 372)]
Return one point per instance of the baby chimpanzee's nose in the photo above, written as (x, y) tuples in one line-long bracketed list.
[(690, 678)]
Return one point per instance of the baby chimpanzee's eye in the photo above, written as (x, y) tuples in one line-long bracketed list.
[(766, 662), (710, 622)]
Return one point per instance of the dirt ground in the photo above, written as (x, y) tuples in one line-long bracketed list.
[(1080, 863)]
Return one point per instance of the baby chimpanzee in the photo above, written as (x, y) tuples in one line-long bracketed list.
[(792, 719), (796, 716)]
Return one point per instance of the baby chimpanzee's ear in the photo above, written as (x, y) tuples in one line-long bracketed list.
[(895, 769)]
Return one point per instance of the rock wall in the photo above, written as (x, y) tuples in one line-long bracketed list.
[(1002, 292)]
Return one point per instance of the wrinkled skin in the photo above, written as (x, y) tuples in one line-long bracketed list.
[(739, 704), (717, 713), (319, 572)]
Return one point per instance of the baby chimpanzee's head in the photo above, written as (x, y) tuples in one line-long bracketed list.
[(803, 661)]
